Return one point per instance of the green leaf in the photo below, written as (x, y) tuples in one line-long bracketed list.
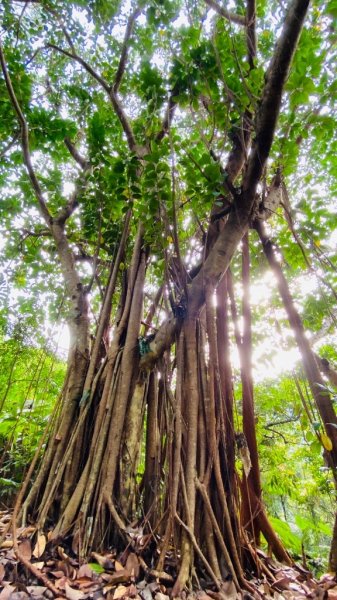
[(96, 568)]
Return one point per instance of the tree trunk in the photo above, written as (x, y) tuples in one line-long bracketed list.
[(316, 383), (322, 398), (249, 510)]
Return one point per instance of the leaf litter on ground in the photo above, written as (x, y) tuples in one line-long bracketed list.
[(109, 576)]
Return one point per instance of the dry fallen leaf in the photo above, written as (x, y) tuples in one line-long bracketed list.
[(219, 595), (118, 566), (72, 594), (108, 588), (118, 577), (5, 516), (161, 596), (40, 545), (84, 571), (146, 594), (62, 553), (104, 561), (132, 565), (281, 584), (7, 544), (57, 573), (84, 582), (120, 592), (61, 583), (133, 592), (25, 549), (7, 592), (2, 572), (36, 590), (319, 593)]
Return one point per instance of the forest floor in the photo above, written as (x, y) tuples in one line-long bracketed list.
[(33, 567)]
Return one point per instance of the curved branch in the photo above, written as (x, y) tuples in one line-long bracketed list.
[(124, 54), (75, 154), (116, 103), (72, 204), (171, 106), (124, 121), (276, 76), (111, 90), (66, 212), (227, 14), (282, 422), (25, 141), (74, 56), (10, 144), (26, 233)]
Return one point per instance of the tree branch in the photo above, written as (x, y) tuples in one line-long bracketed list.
[(276, 76), (72, 204), (227, 14), (251, 32), (171, 106), (25, 141), (124, 54), (26, 233), (116, 103), (326, 368), (66, 212), (75, 154), (56, 226), (74, 56), (10, 144), (124, 121), (282, 422), (111, 90)]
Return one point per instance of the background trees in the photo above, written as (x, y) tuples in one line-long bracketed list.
[(141, 145)]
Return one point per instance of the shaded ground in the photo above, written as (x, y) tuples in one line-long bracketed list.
[(47, 571)]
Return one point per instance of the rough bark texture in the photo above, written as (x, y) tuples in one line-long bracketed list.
[(249, 510)]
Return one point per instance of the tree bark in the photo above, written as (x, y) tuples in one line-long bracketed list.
[(248, 411), (322, 399)]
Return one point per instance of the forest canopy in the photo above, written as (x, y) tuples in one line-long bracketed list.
[(167, 194)]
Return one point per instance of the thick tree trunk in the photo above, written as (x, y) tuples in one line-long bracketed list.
[(227, 398), (190, 416), (252, 479), (333, 549)]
